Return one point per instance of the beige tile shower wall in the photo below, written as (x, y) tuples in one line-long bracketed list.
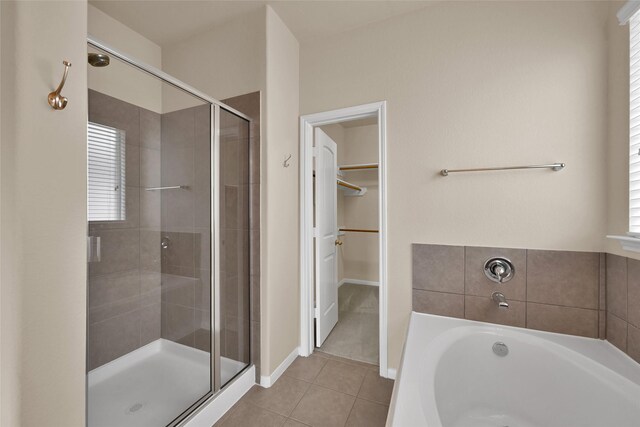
[(556, 291), (623, 304), (360, 250), (124, 286), (249, 104), (185, 223)]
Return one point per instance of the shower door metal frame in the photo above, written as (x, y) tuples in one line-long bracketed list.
[(215, 106)]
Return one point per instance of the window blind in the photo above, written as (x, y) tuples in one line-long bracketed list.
[(106, 173), (634, 124)]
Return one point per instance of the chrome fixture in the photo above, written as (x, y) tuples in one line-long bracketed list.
[(164, 243), (498, 298), (554, 166), (499, 269), (55, 98), (98, 59), (500, 349)]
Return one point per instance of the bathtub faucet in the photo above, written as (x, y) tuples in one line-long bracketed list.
[(499, 299)]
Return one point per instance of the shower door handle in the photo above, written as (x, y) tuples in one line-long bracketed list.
[(93, 248)]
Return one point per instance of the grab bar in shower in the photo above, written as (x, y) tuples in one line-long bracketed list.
[(173, 187), (554, 166)]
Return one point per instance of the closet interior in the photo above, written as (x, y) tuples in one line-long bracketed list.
[(356, 334)]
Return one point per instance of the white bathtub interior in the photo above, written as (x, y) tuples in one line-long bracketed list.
[(535, 384), (451, 377), (151, 385)]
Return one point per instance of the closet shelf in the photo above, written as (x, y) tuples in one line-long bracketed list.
[(358, 230), (355, 167), (351, 189)]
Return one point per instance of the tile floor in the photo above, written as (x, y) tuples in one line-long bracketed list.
[(321, 390)]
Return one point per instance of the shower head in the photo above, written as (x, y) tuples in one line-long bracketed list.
[(98, 59)]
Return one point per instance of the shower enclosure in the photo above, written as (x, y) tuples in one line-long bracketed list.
[(167, 245)]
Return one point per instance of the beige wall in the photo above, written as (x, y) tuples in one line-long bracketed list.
[(118, 79), (43, 225), (478, 84), (280, 196), (224, 62), (360, 250)]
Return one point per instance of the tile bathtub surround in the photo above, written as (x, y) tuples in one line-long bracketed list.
[(557, 291), (623, 304)]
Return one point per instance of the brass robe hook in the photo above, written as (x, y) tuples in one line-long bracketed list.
[(56, 100)]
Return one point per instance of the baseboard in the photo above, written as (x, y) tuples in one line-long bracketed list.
[(392, 373), (268, 380), (358, 282)]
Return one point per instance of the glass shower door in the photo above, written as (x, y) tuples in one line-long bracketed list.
[(234, 276), (149, 344)]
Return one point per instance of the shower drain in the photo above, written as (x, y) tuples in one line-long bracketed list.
[(134, 408)]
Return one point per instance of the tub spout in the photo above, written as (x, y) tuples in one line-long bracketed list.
[(499, 299)]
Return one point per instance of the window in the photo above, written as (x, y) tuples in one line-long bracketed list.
[(106, 173), (634, 124)]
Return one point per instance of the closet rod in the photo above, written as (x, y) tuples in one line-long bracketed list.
[(358, 230), (359, 167), (348, 185)]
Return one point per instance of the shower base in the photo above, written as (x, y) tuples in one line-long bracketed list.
[(151, 385)]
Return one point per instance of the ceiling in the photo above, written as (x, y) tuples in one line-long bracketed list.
[(166, 22)]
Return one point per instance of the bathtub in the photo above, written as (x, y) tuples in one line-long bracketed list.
[(451, 376)]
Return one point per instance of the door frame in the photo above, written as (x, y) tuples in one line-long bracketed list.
[(307, 124)]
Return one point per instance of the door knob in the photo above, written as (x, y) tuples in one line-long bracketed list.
[(338, 242)]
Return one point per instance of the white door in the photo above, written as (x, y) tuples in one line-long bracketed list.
[(326, 236)]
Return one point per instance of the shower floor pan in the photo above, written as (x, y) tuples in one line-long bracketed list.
[(151, 385)]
